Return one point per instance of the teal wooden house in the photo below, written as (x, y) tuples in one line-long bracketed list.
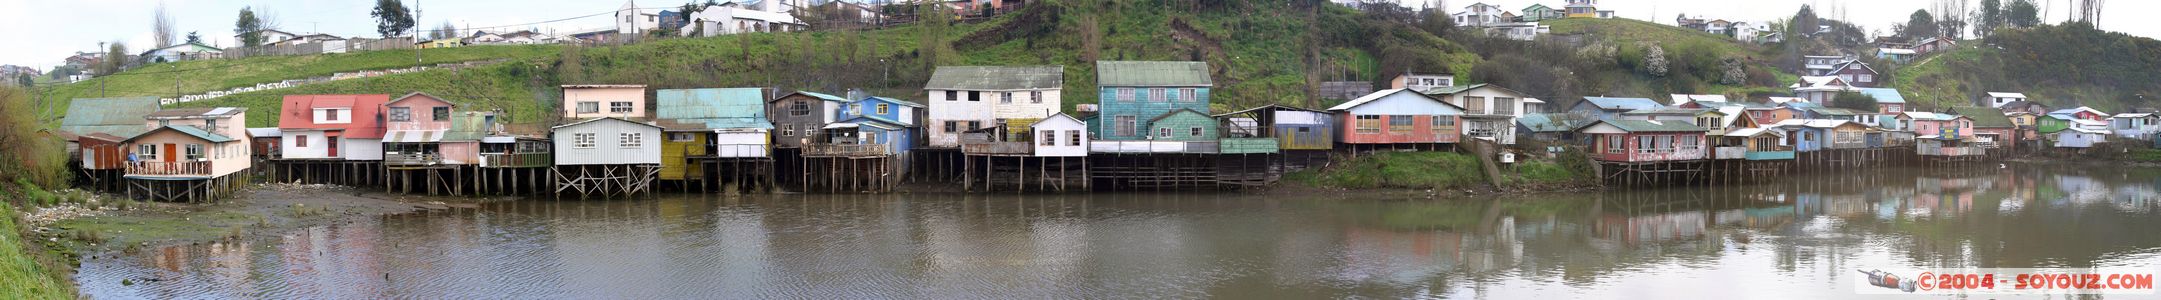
[(1134, 95)]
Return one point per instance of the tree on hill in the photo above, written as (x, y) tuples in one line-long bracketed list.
[(1920, 25), (1952, 18), (116, 54), (1804, 23), (1654, 61), (1436, 21), (391, 18), (1990, 16), (161, 27), (194, 38), (246, 26), (2021, 14), (1854, 101)]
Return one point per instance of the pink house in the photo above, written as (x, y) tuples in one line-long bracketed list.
[(586, 101), (188, 150), (1936, 124), (415, 125)]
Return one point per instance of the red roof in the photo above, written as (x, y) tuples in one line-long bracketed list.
[(367, 118)]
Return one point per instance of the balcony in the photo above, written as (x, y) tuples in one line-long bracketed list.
[(412, 160), (997, 148), (846, 150), (516, 160), (735, 151), (169, 169)]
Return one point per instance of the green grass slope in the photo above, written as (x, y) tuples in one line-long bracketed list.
[(2063, 66), (194, 77)]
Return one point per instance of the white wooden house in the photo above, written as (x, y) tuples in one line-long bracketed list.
[(606, 141), (964, 98), (1490, 111), (1998, 99), (2079, 137), (1061, 135), (2135, 125)]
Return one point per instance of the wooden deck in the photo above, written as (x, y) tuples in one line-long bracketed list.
[(998, 148), (517, 160), (846, 150)]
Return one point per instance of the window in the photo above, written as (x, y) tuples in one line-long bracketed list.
[(972, 125), (210, 124), (619, 107), (146, 152), (1644, 145), (1048, 138), (631, 139), (1504, 106), (1475, 105), (587, 107), (401, 114), (1708, 122), (799, 108), (1688, 142), (885, 108), (1164, 132), (1073, 137), (1665, 144), (1614, 144), (853, 108), (952, 126), (1195, 132), (330, 115), (1189, 95), (1006, 97), (442, 113), (787, 130), (1369, 124), (1400, 123), (194, 151), (682, 136), (1126, 125), (1305, 130), (1125, 94), (975, 96), (1035, 97), (1438, 122), (300, 141), (581, 140), (1868, 78), (1157, 95), (952, 95)]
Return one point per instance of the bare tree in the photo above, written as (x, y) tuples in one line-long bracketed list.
[(161, 27), (1952, 17)]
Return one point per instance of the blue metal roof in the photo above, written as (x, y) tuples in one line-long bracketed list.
[(1622, 103), (1884, 95), (714, 108)]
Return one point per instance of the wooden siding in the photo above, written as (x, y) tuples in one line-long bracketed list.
[(607, 144), (1247, 145), (1422, 131), (1630, 150), (803, 125), (1315, 137), (1181, 127), (675, 155), (1142, 109)]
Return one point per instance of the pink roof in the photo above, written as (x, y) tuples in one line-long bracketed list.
[(298, 113)]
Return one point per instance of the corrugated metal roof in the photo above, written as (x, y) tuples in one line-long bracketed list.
[(1984, 117), (116, 116), (197, 132), (1650, 126), (1152, 73), (714, 108), (1622, 103), (1549, 122), (1885, 95), (994, 78)]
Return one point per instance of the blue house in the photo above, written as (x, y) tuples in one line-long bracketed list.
[(1132, 93), (874, 120), (1608, 108)]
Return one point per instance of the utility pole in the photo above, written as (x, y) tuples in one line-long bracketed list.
[(416, 32)]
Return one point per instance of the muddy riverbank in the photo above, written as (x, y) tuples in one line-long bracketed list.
[(107, 224)]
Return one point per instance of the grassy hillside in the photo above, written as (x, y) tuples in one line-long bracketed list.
[(1260, 52), (193, 77), (1612, 57), (2064, 65)]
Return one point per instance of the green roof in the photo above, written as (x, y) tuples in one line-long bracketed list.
[(1649, 126), (1548, 122), (115, 116), (197, 132), (468, 126), (1152, 73), (1983, 117), (995, 78), (715, 108)]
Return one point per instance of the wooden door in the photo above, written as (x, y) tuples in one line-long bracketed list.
[(332, 141), (170, 153)]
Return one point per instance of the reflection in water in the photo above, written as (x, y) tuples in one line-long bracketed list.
[(1800, 238)]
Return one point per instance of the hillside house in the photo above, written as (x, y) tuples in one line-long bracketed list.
[(2027, 106), (1697, 101), (1858, 74), (268, 36), (1422, 82), (1607, 108), (1293, 128), (582, 101), (1822, 65), (1895, 54), (1586, 9), (332, 127), (1523, 31), (1540, 12), (1398, 117), (703, 125), (1888, 101), (1489, 111), (1644, 141), (738, 17), (1991, 129), (182, 52), (2140, 126), (1941, 43), (798, 116), (1821, 89), (633, 21), (962, 98), (2082, 113), (414, 128), (1480, 15), (1135, 93), (1999, 99)]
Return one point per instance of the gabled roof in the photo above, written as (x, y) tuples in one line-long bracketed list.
[(1153, 73), (2075, 110), (1752, 131), (298, 113), (1647, 126), (819, 96), (2006, 95), (116, 116), (712, 108), (2132, 115), (2021, 105), (1814, 123), (1451, 90), (189, 130), (1378, 95), (1671, 111), (1885, 95), (416, 93), (896, 101), (1984, 117), (1176, 112), (1609, 103), (1679, 99), (197, 46), (1056, 116), (996, 78)]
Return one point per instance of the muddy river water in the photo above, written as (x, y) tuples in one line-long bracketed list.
[(1803, 238)]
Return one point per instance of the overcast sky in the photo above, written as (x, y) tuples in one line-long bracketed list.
[(45, 31)]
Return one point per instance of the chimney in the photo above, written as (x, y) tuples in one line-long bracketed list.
[(855, 94)]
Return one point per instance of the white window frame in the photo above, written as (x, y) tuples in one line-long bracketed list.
[(1189, 95), (631, 140), (582, 140), (192, 152), (1125, 94), (588, 107), (620, 107), (401, 114), (146, 152), (1157, 95), (1035, 97)]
